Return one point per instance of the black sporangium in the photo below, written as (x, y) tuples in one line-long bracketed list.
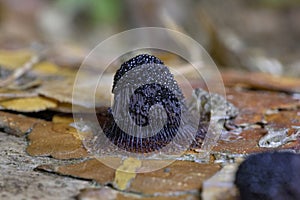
[(162, 89)]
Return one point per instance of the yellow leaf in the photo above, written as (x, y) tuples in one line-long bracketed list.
[(14, 59), (48, 68), (126, 172), (32, 104), (62, 119)]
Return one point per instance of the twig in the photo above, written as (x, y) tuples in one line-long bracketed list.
[(17, 95), (21, 70)]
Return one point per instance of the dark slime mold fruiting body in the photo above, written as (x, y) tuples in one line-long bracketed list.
[(134, 62), (141, 84), (268, 176)]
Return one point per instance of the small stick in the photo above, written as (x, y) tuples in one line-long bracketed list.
[(21, 70), (17, 95)]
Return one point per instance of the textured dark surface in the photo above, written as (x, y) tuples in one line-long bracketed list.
[(139, 107), (152, 94), (134, 62), (162, 91), (269, 176)]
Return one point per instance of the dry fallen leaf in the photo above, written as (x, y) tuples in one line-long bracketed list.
[(18, 125), (284, 118), (126, 172), (30, 104), (46, 68), (66, 119), (82, 93), (178, 176), (253, 105), (58, 140), (261, 81), (14, 59), (90, 169)]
